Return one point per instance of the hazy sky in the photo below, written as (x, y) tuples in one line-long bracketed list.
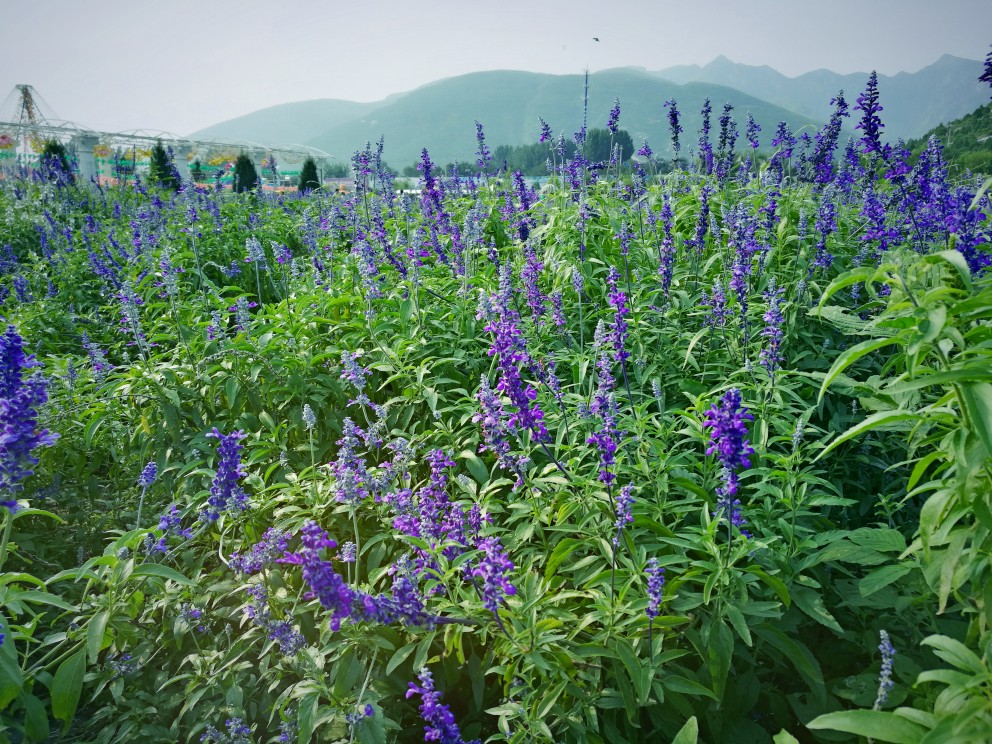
[(179, 65)]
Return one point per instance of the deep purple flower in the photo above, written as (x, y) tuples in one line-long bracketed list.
[(148, 475), (492, 570), (726, 421), (821, 160), (20, 397), (716, 301), (751, 131), (496, 432), (645, 150), (870, 124), (546, 135), (656, 585), (612, 122), (225, 492), (986, 76), (441, 726)]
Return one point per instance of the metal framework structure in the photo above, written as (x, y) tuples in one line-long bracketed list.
[(28, 122)]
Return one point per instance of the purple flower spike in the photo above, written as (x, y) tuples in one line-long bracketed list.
[(656, 585), (726, 420), (441, 726), (492, 571), (20, 398), (225, 492)]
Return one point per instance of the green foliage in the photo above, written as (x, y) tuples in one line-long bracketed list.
[(309, 179), (967, 141), (245, 174), (866, 497), (161, 170)]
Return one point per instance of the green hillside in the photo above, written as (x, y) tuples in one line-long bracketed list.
[(967, 141), (286, 123), (440, 116)]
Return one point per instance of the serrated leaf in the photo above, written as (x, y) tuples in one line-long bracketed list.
[(882, 577)]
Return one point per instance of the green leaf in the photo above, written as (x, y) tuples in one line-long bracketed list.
[(399, 657), (475, 466), (36, 597), (67, 686), (850, 356), (773, 583), (634, 669), (720, 650), (956, 261), (976, 397), (675, 683), (971, 373), (94, 634), (876, 724), (799, 655), (784, 737), (689, 733), (955, 653), (876, 420), (162, 572), (811, 602), (559, 554), (305, 716), (882, 577), (36, 727), (11, 679)]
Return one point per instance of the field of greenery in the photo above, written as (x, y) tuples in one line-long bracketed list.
[(695, 457)]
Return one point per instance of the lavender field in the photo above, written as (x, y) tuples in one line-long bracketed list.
[(665, 451)]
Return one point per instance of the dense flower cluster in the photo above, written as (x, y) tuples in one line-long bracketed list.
[(21, 395), (225, 491), (726, 422), (491, 572)]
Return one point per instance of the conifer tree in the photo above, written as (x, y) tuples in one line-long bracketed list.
[(245, 175), (309, 179), (161, 171)]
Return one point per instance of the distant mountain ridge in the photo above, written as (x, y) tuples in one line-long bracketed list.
[(913, 102), (441, 115)]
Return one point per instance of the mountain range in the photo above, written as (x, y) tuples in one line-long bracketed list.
[(913, 103), (441, 116)]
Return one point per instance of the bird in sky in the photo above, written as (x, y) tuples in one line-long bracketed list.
[(595, 38)]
